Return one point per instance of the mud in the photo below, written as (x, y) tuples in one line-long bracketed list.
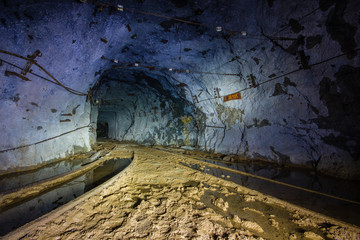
[(158, 198)]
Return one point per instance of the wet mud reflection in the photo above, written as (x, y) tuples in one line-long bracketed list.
[(27, 211), (337, 209)]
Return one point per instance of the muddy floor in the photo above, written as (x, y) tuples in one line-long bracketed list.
[(157, 197)]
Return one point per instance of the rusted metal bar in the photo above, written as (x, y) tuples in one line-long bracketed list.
[(195, 99), (208, 126), (10, 73), (30, 62), (217, 92), (66, 120), (41, 68), (252, 81)]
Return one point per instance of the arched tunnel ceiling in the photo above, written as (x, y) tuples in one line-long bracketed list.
[(144, 107), (302, 112)]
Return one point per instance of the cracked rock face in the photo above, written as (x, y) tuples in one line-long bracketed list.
[(142, 108), (309, 117)]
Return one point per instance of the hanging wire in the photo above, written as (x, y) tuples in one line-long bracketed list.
[(45, 140), (285, 74), (39, 76), (231, 32), (301, 18), (152, 68), (54, 80), (272, 37)]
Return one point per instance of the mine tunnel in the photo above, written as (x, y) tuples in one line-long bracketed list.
[(154, 119)]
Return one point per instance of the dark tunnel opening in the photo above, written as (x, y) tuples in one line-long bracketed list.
[(145, 108), (102, 129), (241, 117)]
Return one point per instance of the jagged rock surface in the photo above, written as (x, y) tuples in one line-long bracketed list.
[(309, 117)]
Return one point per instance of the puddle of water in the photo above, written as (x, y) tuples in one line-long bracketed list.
[(238, 206), (337, 209), (18, 180), (27, 211), (299, 177)]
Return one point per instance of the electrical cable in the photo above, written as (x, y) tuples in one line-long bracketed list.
[(45, 140), (301, 18), (130, 65), (45, 71), (232, 32), (274, 38), (276, 182), (152, 68), (285, 74), (121, 8), (39, 76)]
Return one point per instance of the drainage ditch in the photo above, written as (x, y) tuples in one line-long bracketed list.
[(335, 208), (16, 215)]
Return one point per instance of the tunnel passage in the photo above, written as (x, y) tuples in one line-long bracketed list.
[(288, 112), (102, 129), (145, 108)]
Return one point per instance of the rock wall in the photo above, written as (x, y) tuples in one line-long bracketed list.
[(303, 112), (33, 111), (144, 108), (307, 117)]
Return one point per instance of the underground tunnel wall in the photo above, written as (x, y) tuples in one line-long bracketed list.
[(309, 117), (145, 108)]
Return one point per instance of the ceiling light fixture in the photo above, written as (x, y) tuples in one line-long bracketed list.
[(120, 8)]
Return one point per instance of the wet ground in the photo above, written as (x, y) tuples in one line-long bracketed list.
[(339, 209), (302, 177), (20, 179), (157, 197), (20, 212), (347, 211)]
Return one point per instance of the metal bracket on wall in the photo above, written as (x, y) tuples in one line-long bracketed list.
[(65, 120), (65, 115), (9, 73), (216, 92), (90, 96), (30, 62), (251, 81)]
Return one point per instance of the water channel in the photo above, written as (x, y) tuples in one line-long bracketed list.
[(341, 210), (28, 210)]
